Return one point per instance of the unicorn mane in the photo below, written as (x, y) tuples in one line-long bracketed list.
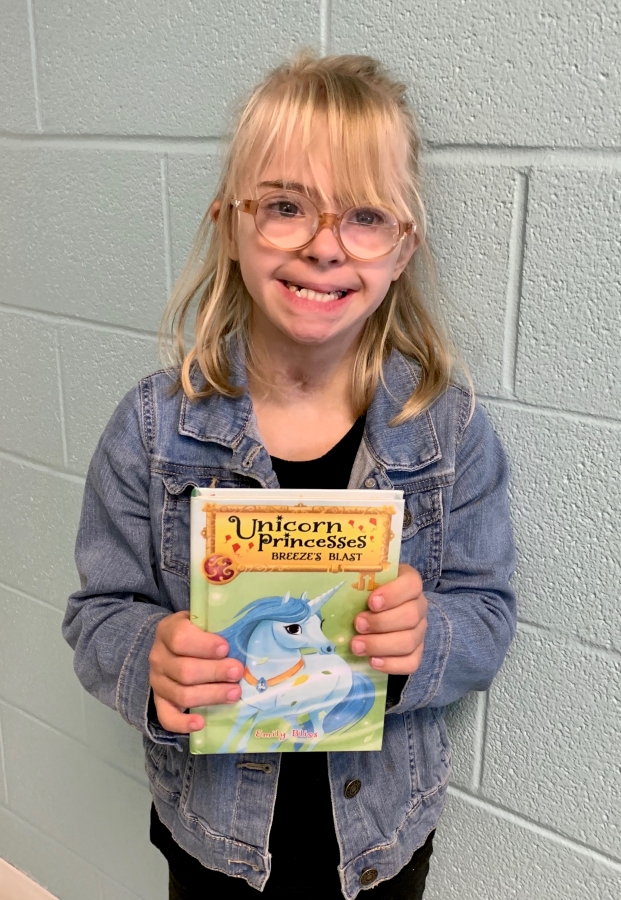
[(239, 633)]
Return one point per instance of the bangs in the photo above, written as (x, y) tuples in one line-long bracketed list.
[(312, 121)]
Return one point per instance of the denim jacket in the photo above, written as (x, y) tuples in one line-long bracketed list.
[(132, 556)]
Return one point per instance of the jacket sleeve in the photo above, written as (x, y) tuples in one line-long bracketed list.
[(472, 615), (111, 621)]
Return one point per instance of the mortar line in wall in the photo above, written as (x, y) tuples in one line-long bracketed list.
[(479, 742), (166, 219), (2, 758), (63, 319), (518, 157), (569, 639), (54, 839), (134, 142), (571, 415), (551, 834), (71, 737), (514, 282), (124, 887), (84, 716), (24, 596), (34, 63), (40, 467), (4, 701), (325, 26), (522, 157), (61, 399)]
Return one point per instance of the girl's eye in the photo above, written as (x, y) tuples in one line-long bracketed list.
[(286, 208), (367, 215), (293, 629)]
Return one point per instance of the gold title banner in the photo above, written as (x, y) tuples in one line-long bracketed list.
[(242, 538)]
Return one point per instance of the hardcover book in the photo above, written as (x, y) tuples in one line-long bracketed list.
[(281, 575)]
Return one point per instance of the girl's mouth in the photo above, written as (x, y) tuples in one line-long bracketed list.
[(317, 296)]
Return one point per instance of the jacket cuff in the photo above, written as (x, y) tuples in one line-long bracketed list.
[(134, 691), (154, 730), (422, 686)]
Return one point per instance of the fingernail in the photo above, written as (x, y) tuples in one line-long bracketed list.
[(376, 603), (357, 646), (195, 725), (233, 673), (233, 695), (376, 662), (362, 624), (221, 650)]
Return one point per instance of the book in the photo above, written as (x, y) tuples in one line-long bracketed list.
[(281, 575)]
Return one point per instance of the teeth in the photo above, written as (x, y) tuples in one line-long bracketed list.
[(315, 295)]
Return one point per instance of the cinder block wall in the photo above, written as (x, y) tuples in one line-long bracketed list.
[(111, 117)]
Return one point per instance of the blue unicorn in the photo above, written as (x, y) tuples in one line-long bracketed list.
[(279, 681)]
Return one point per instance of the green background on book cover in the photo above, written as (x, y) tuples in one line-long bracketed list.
[(214, 608)]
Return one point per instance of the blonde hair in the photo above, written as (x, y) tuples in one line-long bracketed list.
[(373, 148)]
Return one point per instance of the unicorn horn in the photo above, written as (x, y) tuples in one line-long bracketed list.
[(317, 602)]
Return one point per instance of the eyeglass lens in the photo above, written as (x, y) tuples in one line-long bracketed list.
[(289, 220)]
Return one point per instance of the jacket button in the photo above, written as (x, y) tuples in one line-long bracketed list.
[(407, 518), (368, 876), (369, 483), (352, 787)]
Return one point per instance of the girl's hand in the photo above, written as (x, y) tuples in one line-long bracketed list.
[(189, 668), (392, 633)]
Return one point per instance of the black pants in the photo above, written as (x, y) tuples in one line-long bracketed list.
[(193, 882), (304, 857)]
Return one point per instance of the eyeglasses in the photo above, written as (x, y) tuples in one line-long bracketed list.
[(289, 220)]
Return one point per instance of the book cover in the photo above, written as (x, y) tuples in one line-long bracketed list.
[(281, 575)]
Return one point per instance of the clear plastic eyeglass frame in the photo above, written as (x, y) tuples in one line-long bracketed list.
[(323, 220)]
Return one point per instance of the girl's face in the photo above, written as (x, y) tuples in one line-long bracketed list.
[(322, 266)]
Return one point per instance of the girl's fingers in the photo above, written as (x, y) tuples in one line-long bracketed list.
[(173, 719), (399, 665), (395, 643), (188, 670), (401, 618), (183, 638), (406, 586), (175, 698)]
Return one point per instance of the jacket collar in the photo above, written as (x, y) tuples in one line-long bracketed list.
[(219, 419), (411, 445), (231, 422)]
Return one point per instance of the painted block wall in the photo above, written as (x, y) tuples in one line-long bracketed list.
[(112, 119)]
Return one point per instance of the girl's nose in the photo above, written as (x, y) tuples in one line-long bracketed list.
[(324, 248)]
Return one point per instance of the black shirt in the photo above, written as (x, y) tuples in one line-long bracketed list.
[(329, 472)]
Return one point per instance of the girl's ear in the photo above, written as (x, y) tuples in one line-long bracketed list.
[(408, 246), (214, 212)]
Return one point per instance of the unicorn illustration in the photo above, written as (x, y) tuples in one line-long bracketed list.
[(318, 689)]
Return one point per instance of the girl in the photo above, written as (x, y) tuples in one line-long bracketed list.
[(315, 362)]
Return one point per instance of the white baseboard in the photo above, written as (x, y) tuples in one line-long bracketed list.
[(14, 885)]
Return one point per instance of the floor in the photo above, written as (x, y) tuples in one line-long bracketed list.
[(14, 885)]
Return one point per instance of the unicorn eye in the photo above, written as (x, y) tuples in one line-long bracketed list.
[(293, 629)]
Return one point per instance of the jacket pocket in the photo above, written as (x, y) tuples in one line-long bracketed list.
[(421, 545), (164, 766), (178, 489), (430, 752)]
